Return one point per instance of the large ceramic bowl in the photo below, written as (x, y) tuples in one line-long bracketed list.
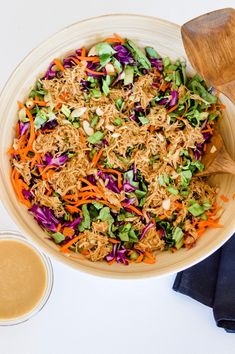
[(166, 38)]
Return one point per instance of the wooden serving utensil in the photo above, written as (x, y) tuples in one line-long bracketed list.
[(216, 159), (209, 41)]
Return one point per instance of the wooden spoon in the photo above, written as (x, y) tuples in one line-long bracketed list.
[(209, 42), (216, 159)]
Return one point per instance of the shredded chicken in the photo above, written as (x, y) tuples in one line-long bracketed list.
[(151, 242), (97, 245)]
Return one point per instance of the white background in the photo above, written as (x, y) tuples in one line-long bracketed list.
[(86, 314)]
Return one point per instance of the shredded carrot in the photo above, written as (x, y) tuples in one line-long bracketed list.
[(133, 208), (225, 199), (177, 205), (84, 252), (58, 227), (83, 53), (95, 189), (204, 147), (172, 108), (68, 231), (208, 130), (94, 72), (97, 157), (91, 186), (113, 240), (111, 40), (163, 87), (17, 129), (65, 247), (111, 262), (72, 209), (140, 258), (119, 175), (18, 186), (149, 260), (222, 106), (82, 137), (151, 129), (116, 39), (59, 105), (32, 130), (59, 65), (162, 217), (20, 104), (84, 195), (46, 172), (91, 58), (40, 103)]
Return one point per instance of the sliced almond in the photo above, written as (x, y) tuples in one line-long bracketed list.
[(87, 128), (116, 135), (166, 204), (92, 51), (110, 68), (213, 149), (99, 111), (78, 112), (110, 127)]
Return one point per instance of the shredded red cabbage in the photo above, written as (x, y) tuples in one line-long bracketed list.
[(174, 98), (123, 55), (145, 229), (112, 254), (74, 223), (44, 217), (27, 194), (128, 188), (121, 256), (157, 63), (51, 124), (24, 127), (55, 161), (50, 74)]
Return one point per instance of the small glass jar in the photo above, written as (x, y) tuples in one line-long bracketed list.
[(11, 235)]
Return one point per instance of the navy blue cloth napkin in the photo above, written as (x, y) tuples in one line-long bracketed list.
[(212, 282)]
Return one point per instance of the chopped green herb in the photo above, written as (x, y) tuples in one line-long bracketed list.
[(118, 121), (96, 137), (86, 221), (128, 75), (143, 120), (138, 54), (94, 120), (196, 209), (172, 190), (65, 110), (152, 53), (58, 237), (104, 49), (119, 103)]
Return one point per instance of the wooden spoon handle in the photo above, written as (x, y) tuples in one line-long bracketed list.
[(223, 163)]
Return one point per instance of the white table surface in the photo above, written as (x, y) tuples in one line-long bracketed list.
[(86, 314)]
